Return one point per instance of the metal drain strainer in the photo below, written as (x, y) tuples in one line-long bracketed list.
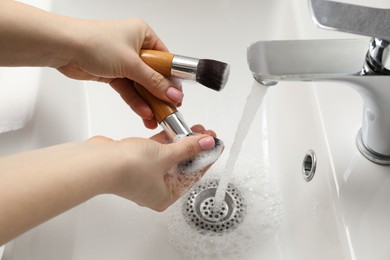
[(199, 213)]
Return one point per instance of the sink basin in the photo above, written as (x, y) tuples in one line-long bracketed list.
[(108, 227), (52, 122), (354, 192), (359, 188), (340, 214)]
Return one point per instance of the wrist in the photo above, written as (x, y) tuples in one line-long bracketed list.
[(108, 162), (69, 42), (37, 37)]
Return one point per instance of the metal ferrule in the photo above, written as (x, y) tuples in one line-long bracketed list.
[(184, 67), (174, 125)]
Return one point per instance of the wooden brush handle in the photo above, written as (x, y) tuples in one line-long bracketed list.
[(160, 108), (158, 60)]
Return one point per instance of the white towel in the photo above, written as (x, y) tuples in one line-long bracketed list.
[(18, 91)]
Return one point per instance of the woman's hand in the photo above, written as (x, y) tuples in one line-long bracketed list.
[(109, 52), (38, 185), (106, 51), (146, 175)]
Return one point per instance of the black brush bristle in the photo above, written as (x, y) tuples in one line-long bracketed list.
[(212, 74)]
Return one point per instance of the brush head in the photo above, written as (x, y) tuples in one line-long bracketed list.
[(212, 74)]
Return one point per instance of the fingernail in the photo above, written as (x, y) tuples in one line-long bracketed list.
[(207, 143), (175, 95)]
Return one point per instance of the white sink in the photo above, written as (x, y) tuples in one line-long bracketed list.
[(108, 227), (359, 188), (59, 115), (340, 214)]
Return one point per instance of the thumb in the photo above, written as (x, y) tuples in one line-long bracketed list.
[(189, 147)]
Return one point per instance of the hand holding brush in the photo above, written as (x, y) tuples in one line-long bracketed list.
[(210, 73)]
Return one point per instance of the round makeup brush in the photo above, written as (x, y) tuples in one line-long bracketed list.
[(210, 73), (174, 125)]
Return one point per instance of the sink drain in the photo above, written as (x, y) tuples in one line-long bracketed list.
[(199, 213)]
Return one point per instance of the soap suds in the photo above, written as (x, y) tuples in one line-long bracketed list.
[(202, 160), (264, 213)]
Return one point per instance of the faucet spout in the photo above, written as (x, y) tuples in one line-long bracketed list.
[(335, 60), (306, 60)]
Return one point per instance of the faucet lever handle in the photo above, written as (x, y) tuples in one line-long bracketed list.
[(351, 18)]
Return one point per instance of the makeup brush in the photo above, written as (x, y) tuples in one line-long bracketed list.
[(210, 73), (171, 120), (167, 115)]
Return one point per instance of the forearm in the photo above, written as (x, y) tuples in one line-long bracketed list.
[(38, 185), (33, 37)]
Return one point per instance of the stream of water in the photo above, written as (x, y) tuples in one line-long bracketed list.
[(255, 182), (253, 103)]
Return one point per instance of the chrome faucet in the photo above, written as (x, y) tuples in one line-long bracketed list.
[(339, 60)]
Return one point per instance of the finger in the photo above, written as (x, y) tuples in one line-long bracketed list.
[(154, 82), (161, 137), (201, 130), (179, 86), (99, 139), (177, 83), (152, 41), (198, 129), (189, 147), (125, 89), (210, 132), (150, 124)]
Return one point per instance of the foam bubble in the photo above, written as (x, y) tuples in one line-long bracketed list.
[(263, 203), (202, 160), (264, 213)]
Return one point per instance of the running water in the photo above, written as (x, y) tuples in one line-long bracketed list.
[(253, 102), (263, 211)]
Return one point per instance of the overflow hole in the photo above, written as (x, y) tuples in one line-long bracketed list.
[(309, 165)]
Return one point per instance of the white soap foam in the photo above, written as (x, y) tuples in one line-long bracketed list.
[(186, 174), (202, 160), (264, 213), (251, 175)]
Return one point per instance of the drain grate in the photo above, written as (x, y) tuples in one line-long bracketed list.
[(199, 211)]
